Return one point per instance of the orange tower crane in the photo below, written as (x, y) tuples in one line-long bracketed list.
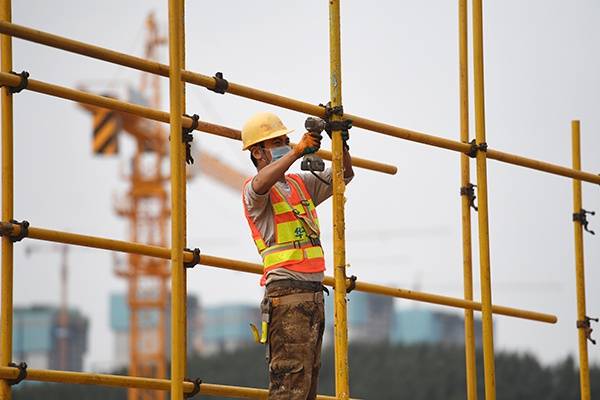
[(146, 206)]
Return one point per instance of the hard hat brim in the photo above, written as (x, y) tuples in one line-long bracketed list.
[(272, 135)]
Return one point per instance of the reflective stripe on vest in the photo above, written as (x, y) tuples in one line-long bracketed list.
[(285, 257), (260, 244)]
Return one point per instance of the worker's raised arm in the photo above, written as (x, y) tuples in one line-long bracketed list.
[(274, 171), (348, 171), (266, 177)]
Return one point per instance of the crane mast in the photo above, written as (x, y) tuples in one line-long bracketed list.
[(146, 207)]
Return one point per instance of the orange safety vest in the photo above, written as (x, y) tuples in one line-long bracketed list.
[(297, 245)]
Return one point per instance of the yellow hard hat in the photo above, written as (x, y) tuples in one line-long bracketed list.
[(262, 126)]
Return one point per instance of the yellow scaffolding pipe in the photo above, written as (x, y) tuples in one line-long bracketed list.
[(482, 217), (80, 96), (183, 183), (7, 228), (584, 369), (281, 101), (342, 385), (177, 224), (6, 307), (470, 366), (82, 378)]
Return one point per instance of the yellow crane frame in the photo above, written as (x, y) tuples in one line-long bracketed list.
[(178, 385)]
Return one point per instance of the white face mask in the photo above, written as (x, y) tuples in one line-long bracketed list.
[(278, 152)]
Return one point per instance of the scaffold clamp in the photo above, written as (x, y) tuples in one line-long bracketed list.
[(22, 366), (352, 284), (469, 191), (22, 85), (197, 382), (586, 325), (581, 217), (23, 231), (221, 84), (187, 138), (476, 147), (330, 111), (195, 261), (343, 125)]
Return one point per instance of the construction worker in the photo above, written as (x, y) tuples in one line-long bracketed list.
[(280, 209)]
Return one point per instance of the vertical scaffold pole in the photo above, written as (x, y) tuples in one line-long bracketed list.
[(584, 372), (7, 204), (183, 180), (482, 194), (176, 153), (471, 372), (342, 387)]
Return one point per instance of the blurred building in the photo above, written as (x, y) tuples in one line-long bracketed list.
[(370, 318), (119, 323), (374, 319), (37, 333), (422, 325), (227, 327)]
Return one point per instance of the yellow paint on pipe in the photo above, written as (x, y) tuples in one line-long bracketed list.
[(6, 306), (584, 369), (278, 100), (451, 301), (470, 364), (177, 224), (161, 116), (6, 228), (183, 184), (482, 194), (340, 331), (541, 166), (83, 378)]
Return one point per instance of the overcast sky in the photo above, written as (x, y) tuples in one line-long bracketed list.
[(400, 66)]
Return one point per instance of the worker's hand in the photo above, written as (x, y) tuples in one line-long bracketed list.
[(310, 143)]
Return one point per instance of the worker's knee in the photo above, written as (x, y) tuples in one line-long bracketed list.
[(291, 373)]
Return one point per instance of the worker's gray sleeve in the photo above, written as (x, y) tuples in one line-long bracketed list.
[(317, 189), (255, 203)]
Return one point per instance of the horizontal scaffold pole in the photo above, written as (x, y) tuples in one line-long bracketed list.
[(83, 378), (10, 229), (206, 81), (81, 96)]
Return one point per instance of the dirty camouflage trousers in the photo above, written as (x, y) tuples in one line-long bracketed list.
[(295, 338)]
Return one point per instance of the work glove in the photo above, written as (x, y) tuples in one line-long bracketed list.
[(310, 143)]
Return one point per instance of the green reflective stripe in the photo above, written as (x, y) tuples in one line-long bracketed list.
[(301, 209), (314, 252), (293, 254), (283, 207), (290, 231), (260, 244), (283, 256)]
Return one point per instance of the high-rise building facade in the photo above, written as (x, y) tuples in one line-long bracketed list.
[(42, 342)]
